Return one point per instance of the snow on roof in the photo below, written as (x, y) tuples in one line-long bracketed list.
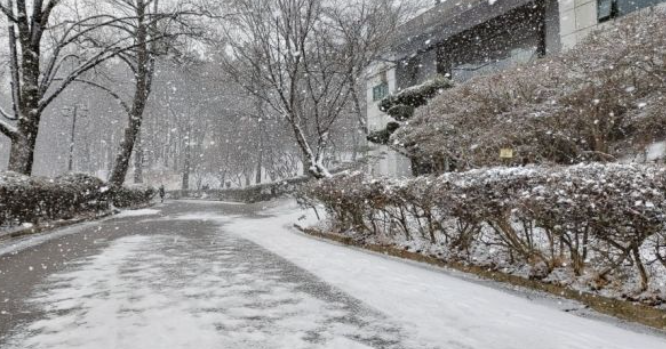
[(444, 21)]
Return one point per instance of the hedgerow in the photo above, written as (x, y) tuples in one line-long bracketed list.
[(128, 196), (602, 226), (25, 199)]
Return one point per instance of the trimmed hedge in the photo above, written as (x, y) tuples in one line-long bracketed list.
[(133, 195), (25, 199), (384, 136), (402, 105), (600, 227), (416, 96)]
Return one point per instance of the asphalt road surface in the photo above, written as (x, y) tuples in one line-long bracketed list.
[(173, 279)]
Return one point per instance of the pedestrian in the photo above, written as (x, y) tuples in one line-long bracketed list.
[(162, 192)]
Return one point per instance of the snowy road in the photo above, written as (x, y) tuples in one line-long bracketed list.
[(205, 275)]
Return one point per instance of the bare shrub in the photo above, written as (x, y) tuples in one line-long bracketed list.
[(594, 220)]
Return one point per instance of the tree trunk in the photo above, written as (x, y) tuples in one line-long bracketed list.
[(21, 154), (22, 151), (138, 160), (311, 163), (72, 139), (259, 173), (14, 68), (361, 117), (187, 164), (260, 158), (121, 165), (143, 78), (641, 269)]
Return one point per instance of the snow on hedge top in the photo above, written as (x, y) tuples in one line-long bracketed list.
[(13, 179), (418, 95)]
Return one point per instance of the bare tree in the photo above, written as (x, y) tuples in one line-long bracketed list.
[(305, 59), (48, 51), (286, 48), (367, 27), (155, 33)]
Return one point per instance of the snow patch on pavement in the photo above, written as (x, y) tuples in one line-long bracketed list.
[(212, 202), (94, 307), (202, 216), (438, 308), (137, 213), (207, 292), (19, 244)]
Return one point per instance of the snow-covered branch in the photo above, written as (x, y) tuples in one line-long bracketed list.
[(8, 13), (6, 115), (108, 91), (8, 129)]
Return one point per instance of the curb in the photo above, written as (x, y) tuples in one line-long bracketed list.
[(625, 310)]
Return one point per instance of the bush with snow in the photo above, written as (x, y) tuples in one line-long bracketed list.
[(401, 106), (599, 101), (602, 226), (132, 195), (416, 96), (25, 199)]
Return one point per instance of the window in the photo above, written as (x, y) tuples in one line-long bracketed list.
[(608, 9), (380, 91)]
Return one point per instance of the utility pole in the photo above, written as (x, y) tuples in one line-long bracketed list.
[(70, 166)]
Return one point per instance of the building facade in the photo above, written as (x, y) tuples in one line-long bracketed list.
[(465, 38)]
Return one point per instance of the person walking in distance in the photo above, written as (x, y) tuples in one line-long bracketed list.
[(162, 193)]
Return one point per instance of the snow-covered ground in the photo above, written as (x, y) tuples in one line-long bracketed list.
[(137, 213), (131, 296), (196, 279), (436, 307)]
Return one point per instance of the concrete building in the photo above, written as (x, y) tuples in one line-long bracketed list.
[(464, 38)]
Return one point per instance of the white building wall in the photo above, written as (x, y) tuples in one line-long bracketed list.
[(383, 161), (578, 18)]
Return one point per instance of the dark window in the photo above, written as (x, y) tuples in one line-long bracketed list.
[(516, 37), (380, 91), (608, 9)]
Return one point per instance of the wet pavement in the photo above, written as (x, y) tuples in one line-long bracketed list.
[(174, 279)]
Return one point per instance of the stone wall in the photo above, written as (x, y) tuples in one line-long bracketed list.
[(256, 193)]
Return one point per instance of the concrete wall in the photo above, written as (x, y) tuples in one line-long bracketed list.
[(382, 160), (577, 19), (377, 74), (386, 162)]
